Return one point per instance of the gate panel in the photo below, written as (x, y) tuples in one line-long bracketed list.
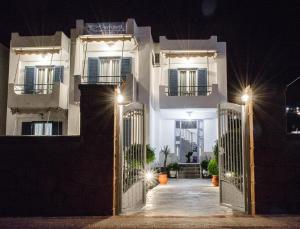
[(232, 156), (133, 155)]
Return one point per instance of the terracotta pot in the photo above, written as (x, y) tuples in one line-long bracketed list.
[(215, 180), (163, 178)]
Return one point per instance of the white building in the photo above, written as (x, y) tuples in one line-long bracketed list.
[(3, 87), (180, 82)]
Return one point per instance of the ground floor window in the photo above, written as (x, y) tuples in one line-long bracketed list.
[(189, 140), (42, 128)]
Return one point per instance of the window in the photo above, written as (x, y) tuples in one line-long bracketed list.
[(40, 79), (43, 81), (108, 70), (42, 128), (187, 82)]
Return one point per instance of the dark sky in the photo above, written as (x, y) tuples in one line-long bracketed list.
[(262, 36)]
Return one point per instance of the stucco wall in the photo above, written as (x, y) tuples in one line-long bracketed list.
[(55, 176), (3, 87), (210, 134)]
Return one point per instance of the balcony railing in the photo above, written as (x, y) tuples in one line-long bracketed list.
[(38, 89), (107, 80), (188, 91)]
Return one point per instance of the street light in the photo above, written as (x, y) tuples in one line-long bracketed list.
[(245, 98), (120, 98)]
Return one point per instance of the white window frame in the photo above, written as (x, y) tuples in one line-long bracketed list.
[(188, 85)]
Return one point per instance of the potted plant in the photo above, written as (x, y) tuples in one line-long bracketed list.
[(214, 171), (188, 157), (204, 165), (163, 175), (150, 154), (173, 169)]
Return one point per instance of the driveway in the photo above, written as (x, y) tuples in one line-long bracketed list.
[(183, 197)]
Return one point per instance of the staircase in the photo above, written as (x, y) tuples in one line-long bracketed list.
[(189, 171)]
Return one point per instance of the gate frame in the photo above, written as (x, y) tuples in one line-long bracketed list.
[(119, 156), (248, 152)]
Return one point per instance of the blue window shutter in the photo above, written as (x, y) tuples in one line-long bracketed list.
[(59, 74), (202, 81), (93, 69), (29, 80), (56, 128), (173, 82), (126, 66), (26, 128)]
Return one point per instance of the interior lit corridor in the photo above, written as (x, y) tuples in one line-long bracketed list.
[(184, 197)]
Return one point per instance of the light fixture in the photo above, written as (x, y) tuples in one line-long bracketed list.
[(120, 98), (245, 97), (189, 113), (43, 59), (149, 176)]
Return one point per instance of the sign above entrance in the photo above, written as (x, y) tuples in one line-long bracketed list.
[(106, 28)]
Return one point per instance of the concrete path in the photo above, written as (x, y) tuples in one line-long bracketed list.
[(184, 198), (141, 222)]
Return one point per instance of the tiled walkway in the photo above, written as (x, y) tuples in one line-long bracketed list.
[(184, 197)]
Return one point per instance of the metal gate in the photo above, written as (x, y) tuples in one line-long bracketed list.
[(233, 156), (132, 156)]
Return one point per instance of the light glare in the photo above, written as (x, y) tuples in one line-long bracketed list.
[(245, 98), (120, 98)]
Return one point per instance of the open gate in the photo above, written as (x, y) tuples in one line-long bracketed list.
[(133, 157), (233, 156)]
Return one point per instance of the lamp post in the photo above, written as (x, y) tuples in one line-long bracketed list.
[(247, 98)]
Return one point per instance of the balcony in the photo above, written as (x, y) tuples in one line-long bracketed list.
[(189, 97), (37, 96), (128, 82)]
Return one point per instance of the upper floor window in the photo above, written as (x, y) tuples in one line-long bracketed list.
[(188, 82), (108, 69), (40, 79)]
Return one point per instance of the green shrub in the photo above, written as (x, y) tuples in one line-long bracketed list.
[(174, 166), (204, 164), (213, 167), (150, 154)]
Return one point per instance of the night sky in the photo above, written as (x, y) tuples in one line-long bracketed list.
[(262, 36)]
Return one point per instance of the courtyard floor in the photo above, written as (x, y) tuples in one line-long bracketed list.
[(180, 204), (184, 198)]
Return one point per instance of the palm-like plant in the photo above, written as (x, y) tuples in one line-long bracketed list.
[(166, 151)]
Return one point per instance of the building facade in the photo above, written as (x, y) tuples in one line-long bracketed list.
[(180, 83), (3, 87)]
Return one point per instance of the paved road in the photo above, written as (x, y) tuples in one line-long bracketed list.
[(185, 198)]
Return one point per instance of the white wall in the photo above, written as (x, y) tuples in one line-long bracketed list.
[(167, 134), (14, 121), (3, 87), (210, 134)]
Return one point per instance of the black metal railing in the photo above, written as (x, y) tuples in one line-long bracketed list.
[(35, 89), (188, 91), (110, 80)]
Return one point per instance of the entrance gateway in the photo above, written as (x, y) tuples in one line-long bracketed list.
[(233, 133), (233, 156)]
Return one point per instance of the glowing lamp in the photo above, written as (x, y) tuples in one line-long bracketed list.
[(245, 98), (149, 176), (120, 98)]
